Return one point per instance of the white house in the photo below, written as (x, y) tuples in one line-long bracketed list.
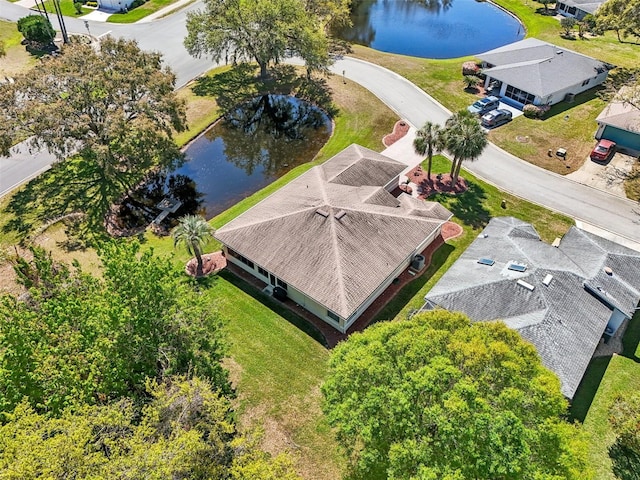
[(578, 9), (334, 238), (535, 72)]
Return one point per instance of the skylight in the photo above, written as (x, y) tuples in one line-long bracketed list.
[(486, 261), (516, 267)]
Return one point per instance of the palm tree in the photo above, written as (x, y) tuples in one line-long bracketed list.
[(194, 232), (465, 140), (429, 139)]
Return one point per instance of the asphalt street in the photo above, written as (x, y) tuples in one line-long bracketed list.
[(586, 204)]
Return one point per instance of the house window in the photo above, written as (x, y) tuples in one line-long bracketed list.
[(263, 272), (333, 316), (282, 284), (244, 260), (586, 82), (518, 95), (231, 252)]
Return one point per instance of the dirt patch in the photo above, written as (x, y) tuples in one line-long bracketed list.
[(400, 129), (211, 263)]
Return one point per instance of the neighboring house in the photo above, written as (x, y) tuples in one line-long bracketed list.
[(562, 299), (537, 72), (335, 237), (620, 123), (116, 5), (578, 9)]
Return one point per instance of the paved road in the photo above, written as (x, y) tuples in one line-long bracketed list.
[(588, 205)]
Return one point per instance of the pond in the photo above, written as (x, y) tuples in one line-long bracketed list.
[(431, 28), (254, 145)]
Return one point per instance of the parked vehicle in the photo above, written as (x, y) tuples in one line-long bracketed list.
[(484, 106), (496, 117), (603, 151)]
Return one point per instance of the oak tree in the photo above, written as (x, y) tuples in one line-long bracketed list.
[(439, 397), (111, 108), (265, 31), (75, 338), (186, 430)]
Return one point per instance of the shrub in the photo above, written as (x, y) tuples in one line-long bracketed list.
[(78, 7), (137, 3), (91, 4), (37, 29), (535, 111)]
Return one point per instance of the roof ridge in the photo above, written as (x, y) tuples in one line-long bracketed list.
[(338, 257), (264, 220)]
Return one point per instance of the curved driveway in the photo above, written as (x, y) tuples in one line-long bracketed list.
[(586, 204)]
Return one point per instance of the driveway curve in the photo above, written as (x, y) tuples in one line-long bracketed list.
[(620, 217)]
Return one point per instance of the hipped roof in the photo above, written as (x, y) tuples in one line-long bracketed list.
[(335, 233)]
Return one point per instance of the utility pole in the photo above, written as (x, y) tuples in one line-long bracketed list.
[(63, 28)]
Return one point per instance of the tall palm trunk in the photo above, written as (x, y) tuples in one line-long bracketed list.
[(200, 263)]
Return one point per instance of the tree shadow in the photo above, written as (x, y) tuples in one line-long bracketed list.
[(291, 317), (588, 387), (467, 206), (69, 186), (631, 338), (241, 84), (626, 462)]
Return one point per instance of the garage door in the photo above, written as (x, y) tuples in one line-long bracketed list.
[(624, 139)]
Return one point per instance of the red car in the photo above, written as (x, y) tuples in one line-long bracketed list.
[(603, 151)]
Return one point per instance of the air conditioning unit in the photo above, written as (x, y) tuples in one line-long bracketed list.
[(418, 262)]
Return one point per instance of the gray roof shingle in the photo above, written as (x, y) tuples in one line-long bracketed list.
[(539, 67), (339, 262), (563, 320)]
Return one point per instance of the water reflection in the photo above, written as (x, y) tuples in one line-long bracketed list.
[(255, 144), (431, 28)]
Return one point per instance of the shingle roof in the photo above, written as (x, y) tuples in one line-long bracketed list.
[(339, 262), (621, 115), (539, 67), (589, 6), (562, 320)]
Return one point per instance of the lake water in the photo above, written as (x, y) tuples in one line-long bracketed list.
[(255, 144), (431, 28)]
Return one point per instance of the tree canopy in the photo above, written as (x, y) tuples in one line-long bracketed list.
[(624, 417), (265, 31), (77, 339), (111, 108), (438, 397), (185, 431), (464, 139), (620, 16)]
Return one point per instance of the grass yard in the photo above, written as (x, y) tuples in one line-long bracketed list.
[(277, 369), (17, 59), (276, 366), (67, 8), (140, 12), (473, 210), (606, 378)]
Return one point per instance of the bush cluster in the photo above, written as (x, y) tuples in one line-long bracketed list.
[(535, 111), (91, 3)]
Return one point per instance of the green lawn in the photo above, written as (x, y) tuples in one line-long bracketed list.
[(605, 379), (67, 7), (277, 369), (139, 12)]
